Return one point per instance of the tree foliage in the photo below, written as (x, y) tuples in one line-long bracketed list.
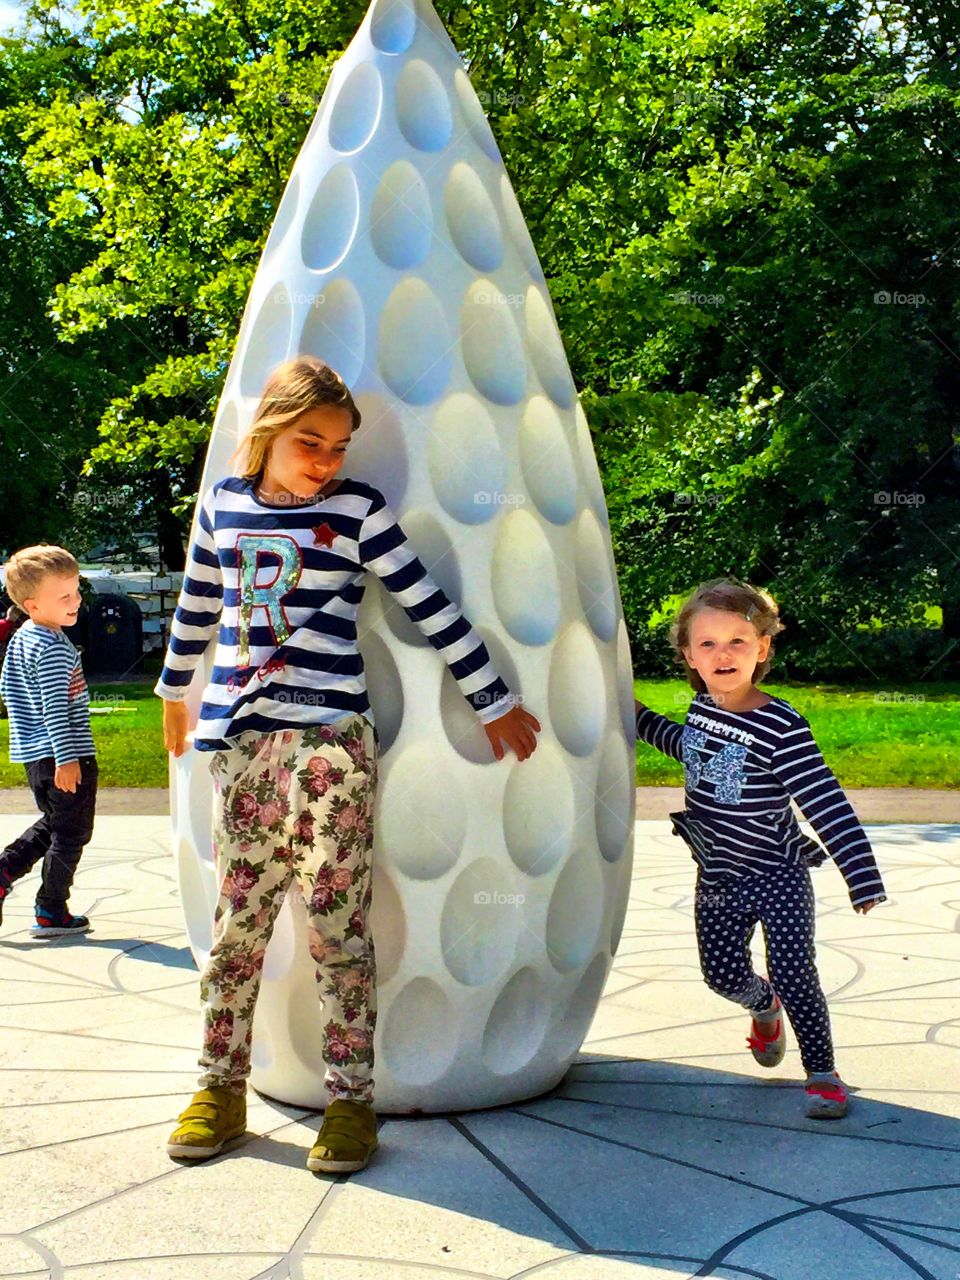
[(721, 194)]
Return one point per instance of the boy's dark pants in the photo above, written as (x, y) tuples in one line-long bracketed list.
[(60, 834)]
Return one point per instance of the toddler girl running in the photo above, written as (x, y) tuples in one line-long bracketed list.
[(745, 754), (281, 553)]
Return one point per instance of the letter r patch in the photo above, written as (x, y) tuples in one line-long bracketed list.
[(251, 547)]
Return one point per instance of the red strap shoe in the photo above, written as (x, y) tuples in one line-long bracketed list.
[(826, 1099), (768, 1047)]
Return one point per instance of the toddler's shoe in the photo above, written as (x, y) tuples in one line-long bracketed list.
[(768, 1044), (347, 1138), (58, 926), (214, 1118), (826, 1097)]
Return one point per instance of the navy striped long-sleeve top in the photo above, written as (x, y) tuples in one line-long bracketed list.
[(283, 585), (741, 770), (46, 696)]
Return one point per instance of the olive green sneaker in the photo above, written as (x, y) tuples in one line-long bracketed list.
[(347, 1138), (214, 1118)]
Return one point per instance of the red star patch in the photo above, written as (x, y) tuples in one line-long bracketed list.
[(323, 535)]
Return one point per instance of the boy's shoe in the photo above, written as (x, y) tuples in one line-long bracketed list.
[(214, 1118), (51, 926), (347, 1138), (768, 1045), (826, 1099)]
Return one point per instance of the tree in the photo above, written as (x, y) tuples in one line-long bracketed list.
[(801, 198), (54, 392), (718, 194), (168, 165)]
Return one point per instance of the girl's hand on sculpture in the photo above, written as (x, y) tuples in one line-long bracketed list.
[(638, 706), (864, 907), (517, 730), (175, 726)]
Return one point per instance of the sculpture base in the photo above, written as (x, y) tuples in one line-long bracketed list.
[(442, 1100)]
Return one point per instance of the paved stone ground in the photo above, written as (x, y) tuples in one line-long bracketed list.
[(665, 1152)]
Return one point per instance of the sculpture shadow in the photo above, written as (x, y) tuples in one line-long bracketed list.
[(154, 952)]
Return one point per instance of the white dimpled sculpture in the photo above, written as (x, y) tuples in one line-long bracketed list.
[(400, 256)]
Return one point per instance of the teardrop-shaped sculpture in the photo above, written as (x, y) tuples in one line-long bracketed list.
[(399, 254)]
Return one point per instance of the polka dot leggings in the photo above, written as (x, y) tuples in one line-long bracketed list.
[(726, 916)]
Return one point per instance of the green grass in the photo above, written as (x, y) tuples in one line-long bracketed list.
[(129, 740), (867, 742), (904, 737)]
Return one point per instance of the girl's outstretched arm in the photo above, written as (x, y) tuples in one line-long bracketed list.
[(517, 730), (195, 621), (385, 551), (176, 722)]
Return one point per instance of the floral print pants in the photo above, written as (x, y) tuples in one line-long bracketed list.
[(296, 804)]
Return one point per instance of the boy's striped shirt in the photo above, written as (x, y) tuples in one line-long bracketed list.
[(741, 770), (46, 696), (281, 586)]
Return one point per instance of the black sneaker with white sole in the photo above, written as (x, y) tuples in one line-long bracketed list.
[(49, 926)]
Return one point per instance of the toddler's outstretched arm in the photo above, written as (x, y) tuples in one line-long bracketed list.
[(800, 767), (659, 732), (517, 730)]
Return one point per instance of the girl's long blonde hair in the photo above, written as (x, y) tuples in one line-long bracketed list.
[(733, 596), (293, 388)]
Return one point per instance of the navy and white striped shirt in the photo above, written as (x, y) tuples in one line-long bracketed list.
[(741, 769), (288, 582), (47, 697)]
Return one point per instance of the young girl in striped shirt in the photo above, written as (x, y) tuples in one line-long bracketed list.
[(278, 569), (745, 754)]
